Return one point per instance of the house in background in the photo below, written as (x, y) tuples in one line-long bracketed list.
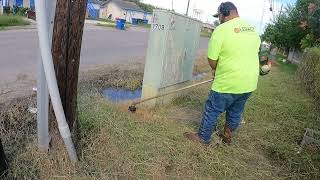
[(93, 9), (119, 9), (208, 27), (20, 3)]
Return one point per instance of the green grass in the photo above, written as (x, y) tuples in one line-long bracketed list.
[(106, 20), (107, 25), (9, 20), (265, 147), (285, 66), (103, 20), (112, 25), (150, 144), (148, 26)]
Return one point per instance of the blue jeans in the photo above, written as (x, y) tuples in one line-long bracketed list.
[(217, 103)]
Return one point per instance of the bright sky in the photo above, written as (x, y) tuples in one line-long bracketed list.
[(251, 10)]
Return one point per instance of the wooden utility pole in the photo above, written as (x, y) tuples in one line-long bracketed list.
[(3, 161), (66, 48)]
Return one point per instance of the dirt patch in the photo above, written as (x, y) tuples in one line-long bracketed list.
[(312, 148)]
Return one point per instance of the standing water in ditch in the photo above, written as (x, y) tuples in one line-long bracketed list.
[(118, 95)]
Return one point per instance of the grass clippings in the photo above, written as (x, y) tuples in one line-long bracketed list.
[(117, 144)]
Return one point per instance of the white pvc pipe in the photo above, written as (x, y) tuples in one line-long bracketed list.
[(42, 88), (51, 78), (42, 109)]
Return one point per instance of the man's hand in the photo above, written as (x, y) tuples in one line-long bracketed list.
[(213, 65)]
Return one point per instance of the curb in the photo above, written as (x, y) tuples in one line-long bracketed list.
[(18, 28)]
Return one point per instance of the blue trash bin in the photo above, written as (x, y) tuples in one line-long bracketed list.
[(121, 24)]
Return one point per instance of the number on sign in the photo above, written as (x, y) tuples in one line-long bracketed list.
[(157, 27)]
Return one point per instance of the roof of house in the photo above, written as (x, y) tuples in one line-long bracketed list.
[(95, 2), (208, 25), (125, 5)]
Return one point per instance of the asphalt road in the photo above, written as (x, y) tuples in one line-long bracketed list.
[(19, 50)]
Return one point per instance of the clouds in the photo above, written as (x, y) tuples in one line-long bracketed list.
[(251, 10)]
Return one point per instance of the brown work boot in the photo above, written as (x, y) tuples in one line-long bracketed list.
[(193, 137), (226, 135)]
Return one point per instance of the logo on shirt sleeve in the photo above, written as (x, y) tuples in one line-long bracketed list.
[(237, 30)]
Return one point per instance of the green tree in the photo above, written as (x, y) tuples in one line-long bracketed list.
[(297, 27), (284, 31)]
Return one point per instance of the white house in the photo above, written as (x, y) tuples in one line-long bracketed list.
[(119, 9)]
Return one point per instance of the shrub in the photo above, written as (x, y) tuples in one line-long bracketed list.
[(20, 11), (309, 71)]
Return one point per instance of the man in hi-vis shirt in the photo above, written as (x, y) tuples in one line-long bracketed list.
[(233, 56)]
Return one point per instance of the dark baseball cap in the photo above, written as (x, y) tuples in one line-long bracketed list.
[(226, 5)]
